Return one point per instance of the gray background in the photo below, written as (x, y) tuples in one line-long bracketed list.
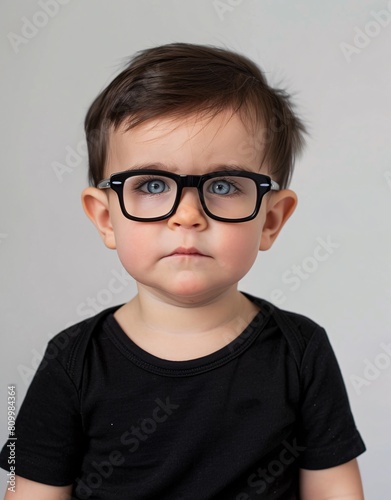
[(53, 263)]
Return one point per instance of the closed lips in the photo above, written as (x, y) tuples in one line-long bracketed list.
[(187, 251)]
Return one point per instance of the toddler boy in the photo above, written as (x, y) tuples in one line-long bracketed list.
[(192, 390)]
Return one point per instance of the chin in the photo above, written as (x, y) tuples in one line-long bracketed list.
[(193, 295)]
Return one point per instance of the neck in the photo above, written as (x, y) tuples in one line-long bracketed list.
[(175, 330), (197, 316)]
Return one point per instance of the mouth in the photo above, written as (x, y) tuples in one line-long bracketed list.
[(182, 251)]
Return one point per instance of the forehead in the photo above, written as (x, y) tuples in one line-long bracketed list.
[(189, 144)]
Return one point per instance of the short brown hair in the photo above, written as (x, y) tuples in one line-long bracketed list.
[(179, 79)]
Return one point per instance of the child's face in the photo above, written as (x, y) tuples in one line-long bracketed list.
[(149, 250)]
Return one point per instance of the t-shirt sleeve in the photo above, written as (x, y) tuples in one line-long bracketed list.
[(327, 428), (48, 427)]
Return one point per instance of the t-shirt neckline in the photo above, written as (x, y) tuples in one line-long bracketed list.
[(160, 366)]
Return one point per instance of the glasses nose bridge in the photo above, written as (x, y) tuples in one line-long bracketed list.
[(190, 181)]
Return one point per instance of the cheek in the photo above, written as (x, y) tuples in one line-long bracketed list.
[(133, 244), (242, 245)]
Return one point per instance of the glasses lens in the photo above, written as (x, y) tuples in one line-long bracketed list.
[(230, 197), (148, 196)]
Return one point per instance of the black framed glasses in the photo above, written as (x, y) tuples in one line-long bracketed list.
[(154, 195)]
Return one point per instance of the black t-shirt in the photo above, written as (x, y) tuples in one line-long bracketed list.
[(122, 424)]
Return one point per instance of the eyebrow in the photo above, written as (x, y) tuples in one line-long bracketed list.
[(172, 169)]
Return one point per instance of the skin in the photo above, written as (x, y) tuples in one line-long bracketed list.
[(189, 306)]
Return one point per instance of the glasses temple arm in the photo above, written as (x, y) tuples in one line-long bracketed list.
[(103, 184)]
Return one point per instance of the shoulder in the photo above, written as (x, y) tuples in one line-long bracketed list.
[(297, 330), (69, 347), (287, 319)]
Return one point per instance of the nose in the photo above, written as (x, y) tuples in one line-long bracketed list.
[(189, 214)]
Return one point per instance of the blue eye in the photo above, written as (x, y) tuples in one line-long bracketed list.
[(155, 186), (222, 187)]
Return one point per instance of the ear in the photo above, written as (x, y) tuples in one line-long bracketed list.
[(96, 205), (280, 206)]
